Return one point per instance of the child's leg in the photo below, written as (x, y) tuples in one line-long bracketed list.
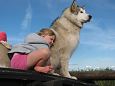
[(38, 59)]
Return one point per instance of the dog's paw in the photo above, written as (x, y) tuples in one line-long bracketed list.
[(53, 73), (73, 77), (56, 74)]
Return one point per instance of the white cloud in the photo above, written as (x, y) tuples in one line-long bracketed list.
[(26, 23), (98, 62), (27, 19)]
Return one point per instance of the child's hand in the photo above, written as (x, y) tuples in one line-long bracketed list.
[(51, 68)]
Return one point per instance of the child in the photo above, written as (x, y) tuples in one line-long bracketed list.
[(35, 52), (4, 48)]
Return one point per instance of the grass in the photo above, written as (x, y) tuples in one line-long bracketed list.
[(105, 83)]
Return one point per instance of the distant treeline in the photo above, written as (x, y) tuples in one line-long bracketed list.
[(99, 82)]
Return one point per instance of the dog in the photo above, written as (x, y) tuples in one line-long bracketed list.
[(67, 29)]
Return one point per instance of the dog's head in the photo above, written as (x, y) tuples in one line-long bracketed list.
[(77, 14)]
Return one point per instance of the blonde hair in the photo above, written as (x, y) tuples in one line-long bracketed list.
[(46, 31)]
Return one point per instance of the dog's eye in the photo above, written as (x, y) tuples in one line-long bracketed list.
[(81, 11)]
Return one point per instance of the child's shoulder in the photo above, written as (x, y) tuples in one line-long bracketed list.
[(34, 38)]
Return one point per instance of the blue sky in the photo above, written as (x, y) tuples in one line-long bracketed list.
[(97, 38)]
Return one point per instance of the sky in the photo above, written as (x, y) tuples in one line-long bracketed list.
[(97, 37)]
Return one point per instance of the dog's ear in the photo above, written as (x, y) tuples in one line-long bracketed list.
[(74, 7)]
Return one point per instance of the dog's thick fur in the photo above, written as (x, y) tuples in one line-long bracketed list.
[(67, 30)]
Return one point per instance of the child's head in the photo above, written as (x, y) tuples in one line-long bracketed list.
[(3, 36), (46, 31), (48, 35)]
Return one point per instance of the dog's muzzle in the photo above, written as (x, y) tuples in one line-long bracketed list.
[(89, 18)]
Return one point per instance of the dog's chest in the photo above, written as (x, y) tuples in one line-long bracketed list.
[(73, 40)]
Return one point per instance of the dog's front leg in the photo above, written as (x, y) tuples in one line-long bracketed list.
[(64, 69)]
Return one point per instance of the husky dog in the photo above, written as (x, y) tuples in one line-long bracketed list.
[(67, 29)]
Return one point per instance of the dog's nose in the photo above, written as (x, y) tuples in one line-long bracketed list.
[(90, 17)]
